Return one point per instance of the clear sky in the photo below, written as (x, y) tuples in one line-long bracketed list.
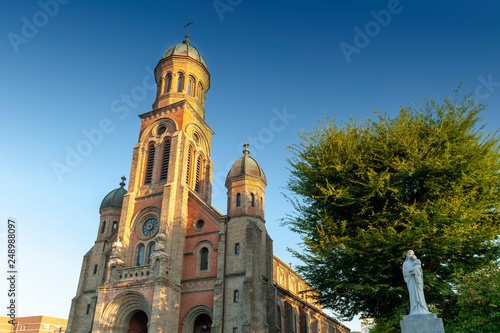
[(277, 67)]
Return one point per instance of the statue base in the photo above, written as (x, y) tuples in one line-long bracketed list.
[(422, 323)]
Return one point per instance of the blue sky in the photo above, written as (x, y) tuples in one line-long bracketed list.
[(276, 68)]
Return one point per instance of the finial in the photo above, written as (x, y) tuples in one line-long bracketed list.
[(122, 184), (246, 151), (186, 40)]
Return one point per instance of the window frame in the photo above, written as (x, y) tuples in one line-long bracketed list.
[(139, 255), (204, 259), (150, 162)]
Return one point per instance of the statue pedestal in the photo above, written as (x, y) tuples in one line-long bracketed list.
[(422, 323)]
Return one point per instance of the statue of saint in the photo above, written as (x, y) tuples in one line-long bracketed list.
[(414, 278), (161, 242), (116, 248)]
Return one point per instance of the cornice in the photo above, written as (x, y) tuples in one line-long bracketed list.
[(174, 107)]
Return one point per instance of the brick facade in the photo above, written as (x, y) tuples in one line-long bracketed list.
[(175, 263)]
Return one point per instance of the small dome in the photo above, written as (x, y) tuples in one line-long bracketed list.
[(185, 49), (246, 165), (114, 198)]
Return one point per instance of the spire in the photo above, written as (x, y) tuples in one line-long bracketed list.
[(246, 151), (186, 40), (122, 184)]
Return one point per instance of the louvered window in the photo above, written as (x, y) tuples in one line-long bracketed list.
[(166, 159), (197, 186), (149, 165), (188, 166)]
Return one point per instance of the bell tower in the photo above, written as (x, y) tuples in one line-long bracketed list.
[(171, 169)]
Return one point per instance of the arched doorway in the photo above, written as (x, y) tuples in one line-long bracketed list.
[(138, 323), (198, 320), (128, 312), (202, 324)]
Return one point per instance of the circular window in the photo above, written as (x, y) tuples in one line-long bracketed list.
[(150, 227), (199, 224), (196, 138), (161, 130)]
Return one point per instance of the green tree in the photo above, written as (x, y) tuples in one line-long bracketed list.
[(479, 302), (366, 192)]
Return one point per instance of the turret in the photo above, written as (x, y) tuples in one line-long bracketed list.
[(245, 185), (182, 74)]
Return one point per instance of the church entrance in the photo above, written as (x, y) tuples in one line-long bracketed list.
[(202, 324), (138, 323)]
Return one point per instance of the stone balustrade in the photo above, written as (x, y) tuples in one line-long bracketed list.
[(134, 273)]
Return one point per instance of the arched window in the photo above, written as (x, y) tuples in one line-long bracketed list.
[(169, 82), (188, 165), (199, 90), (140, 255), (191, 87), (238, 200), (161, 84), (103, 227), (114, 227), (150, 252), (204, 259), (180, 85), (166, 159), (149, 165), (253, 199), (197, 185)]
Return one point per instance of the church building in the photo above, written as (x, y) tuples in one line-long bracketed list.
[(165, 260)]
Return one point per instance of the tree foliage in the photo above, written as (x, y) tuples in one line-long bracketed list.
[(365, 192), (478, 302)]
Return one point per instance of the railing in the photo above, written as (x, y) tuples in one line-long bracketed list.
[(134, 273)]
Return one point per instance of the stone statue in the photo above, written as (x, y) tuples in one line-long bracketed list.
[(161, 242), (116, 248), (413, 275)]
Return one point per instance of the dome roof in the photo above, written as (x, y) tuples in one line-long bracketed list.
[(114, 198), (246, 165), (185, 49)]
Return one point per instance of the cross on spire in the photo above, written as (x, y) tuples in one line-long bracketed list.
[(246, 151), (188, 24), (123, 181), (186, 40)]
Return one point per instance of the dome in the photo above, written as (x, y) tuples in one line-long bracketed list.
[(247, 166), (185, 49), (114, 198)]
